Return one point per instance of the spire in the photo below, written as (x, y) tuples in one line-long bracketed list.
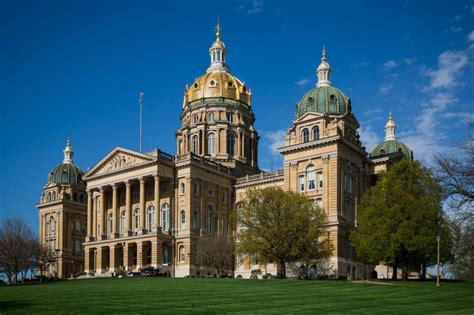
[(217, 52), (324, 70), (390, 128), (68, 153)]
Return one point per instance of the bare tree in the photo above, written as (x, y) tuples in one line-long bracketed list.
[(17, 243), (217, 253), (43, 259)]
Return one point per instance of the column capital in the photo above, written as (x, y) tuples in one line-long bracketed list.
[(127, 183), (102, 189), (114, 186), (89, 192), (141, 180), (156, 177)]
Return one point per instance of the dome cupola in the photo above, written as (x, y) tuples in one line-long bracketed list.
[(324, 98), (67, 172), (391, 144)]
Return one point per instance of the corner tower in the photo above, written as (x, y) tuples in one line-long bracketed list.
[(217, 118), (63, 219)]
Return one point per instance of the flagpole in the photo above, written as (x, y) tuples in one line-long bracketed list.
[(141, 118)]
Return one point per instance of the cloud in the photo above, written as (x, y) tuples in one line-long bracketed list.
[(385, 88), (464, 116), (302, 83), (457, 18), (275, 140), (389, 65), (409, 61), (251, 7), (372, 111), (368, 137), (450, 65), (470, 37), (455, 29)]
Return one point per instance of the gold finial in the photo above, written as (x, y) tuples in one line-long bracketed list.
[(323, 53), (218, 30)]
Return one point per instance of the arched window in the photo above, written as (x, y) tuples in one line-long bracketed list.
[(182, 188), (150, 217), (148, 255), (210, 219), (77, 227), (195, 119), (195, 144), (136, 218), (52, 224), (195, 220), (122, 222), (210, 117), (182, 217), (305, 135), (81, 198), (230, 143), (166, 258), (181, 253), (53, 196), (311, 173), (165, 216), (196, 189), (110, 223), (316, 133), (211, 143), (48, 197)]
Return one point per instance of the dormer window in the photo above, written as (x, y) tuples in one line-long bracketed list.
[(196, 85), (212, 83), (305, 135)]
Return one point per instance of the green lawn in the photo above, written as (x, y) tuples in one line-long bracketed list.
[(140, 295)]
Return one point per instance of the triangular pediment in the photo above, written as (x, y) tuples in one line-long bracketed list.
[(119, 159)]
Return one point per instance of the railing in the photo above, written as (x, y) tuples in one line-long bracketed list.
[(263, 175)]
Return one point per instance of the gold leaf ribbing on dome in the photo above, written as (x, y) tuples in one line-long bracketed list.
[(390, 127), (324, 70), (217, 53), (68, 153)]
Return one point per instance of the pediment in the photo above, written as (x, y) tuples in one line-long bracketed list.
[(119, 159)]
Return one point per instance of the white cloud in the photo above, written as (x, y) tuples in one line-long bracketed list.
[(373, 111), (450, 65), (275, 140), (409, 61), (464, 116), (389, 65), (385, 88), (368, 137), (302, 83), (457, 18), (251, 7), (455, 29), (470, 37)]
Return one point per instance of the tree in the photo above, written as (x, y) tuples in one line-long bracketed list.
[(17, 246), (399, 219), (43, 259), (280, 226), (216, 252), (456, 174)]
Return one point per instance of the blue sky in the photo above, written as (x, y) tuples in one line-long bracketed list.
[(75, 68)]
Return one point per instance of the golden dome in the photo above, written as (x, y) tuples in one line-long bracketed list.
[(218, 84)]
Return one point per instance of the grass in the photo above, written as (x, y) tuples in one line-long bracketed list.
[(153, 295)]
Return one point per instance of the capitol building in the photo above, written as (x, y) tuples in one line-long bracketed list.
[(135, 210)]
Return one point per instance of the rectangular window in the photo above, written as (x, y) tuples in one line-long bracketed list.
[(311, 180), (301, 182), (319, 203), (320, 180)]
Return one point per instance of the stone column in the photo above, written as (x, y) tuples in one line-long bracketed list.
[(154, 253), (89, 215), (139, 255), (113, 258), (99, 268), (128, 208), (102, 202), (142, 206), (126, 257), (87, 261), (94, 217), (239, 144), (157, 203), (115, 214)]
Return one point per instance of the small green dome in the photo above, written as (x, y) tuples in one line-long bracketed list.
[(324, 99), (65, 174), (392, 146)]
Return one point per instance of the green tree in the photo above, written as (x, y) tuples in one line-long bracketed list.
[(281, 226), (399, 219)]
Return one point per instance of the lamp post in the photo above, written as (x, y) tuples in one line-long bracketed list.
[(438, 239)]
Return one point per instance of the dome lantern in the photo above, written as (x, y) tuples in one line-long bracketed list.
[(68, 153), (324, 70), (390, 128), (217, 53)]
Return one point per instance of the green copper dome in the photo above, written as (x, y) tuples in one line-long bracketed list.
[(65, 174), (324, 99), (392, 146)]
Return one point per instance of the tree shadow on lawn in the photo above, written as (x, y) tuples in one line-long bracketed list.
[(12, 306)]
